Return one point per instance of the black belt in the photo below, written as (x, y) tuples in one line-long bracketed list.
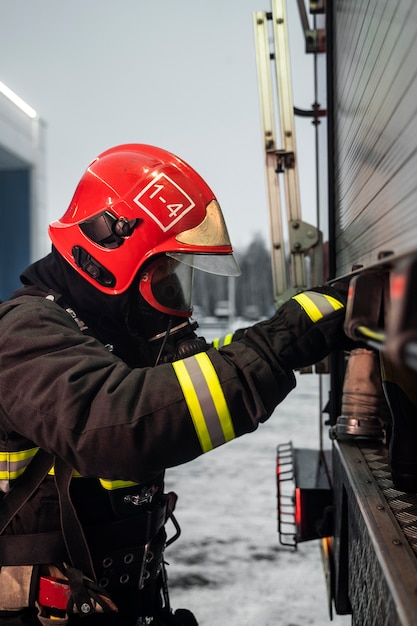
[(32, 549), (39, 548)]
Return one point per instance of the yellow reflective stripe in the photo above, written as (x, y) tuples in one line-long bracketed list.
[(21, 455), (309, 307), (75, 474), (110, 485), (336, 304), (193, 405), (217, 395), (317, 305), (205, 400), (13, 464), (222, 341), (372, 334)]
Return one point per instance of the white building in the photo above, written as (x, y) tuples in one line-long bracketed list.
[(23, 236)]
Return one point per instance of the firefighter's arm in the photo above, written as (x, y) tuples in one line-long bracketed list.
[(66, 393)]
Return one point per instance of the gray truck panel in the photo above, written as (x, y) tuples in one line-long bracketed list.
[(375, 108)]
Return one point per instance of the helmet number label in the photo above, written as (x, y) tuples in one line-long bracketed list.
[(164, 201)]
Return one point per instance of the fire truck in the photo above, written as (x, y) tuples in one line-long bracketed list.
[(356, 492)]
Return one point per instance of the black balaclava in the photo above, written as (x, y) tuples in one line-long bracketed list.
[(125, 321)]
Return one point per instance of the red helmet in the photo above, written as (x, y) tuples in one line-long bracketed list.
[(135, 202)]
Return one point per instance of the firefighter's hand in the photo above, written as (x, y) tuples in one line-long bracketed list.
[(304, 329)]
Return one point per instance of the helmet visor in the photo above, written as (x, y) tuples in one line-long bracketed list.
[(221, 264), (167, 286)]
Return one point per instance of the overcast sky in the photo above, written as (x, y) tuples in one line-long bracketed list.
[(180, 74)]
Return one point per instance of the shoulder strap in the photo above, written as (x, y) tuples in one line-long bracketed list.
[(72, 530), (24, 487), (27, 484)]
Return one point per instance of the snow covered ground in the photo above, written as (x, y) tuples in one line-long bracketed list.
[(228, 566)]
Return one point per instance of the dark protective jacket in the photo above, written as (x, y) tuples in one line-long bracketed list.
[(66, 393), (117, 426)]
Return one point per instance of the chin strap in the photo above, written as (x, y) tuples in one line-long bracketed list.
[(172, 331), (179, 342)]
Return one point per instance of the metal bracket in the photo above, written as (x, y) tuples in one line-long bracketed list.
[(317, 6), (285, 160), (303, 236), (315, 39)]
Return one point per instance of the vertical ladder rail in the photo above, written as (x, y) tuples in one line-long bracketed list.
[(286, 110), (268, 126), (302, 236)]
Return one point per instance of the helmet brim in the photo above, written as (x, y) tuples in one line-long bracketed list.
[(221, 264)]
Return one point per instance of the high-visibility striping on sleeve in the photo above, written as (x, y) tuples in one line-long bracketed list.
[(317, 305), (13, 464), (222, 341), (217, 395), (205, 400)]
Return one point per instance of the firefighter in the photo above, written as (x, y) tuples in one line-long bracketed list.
[(105, 384)]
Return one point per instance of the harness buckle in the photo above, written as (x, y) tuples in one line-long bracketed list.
[(144, 497)]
